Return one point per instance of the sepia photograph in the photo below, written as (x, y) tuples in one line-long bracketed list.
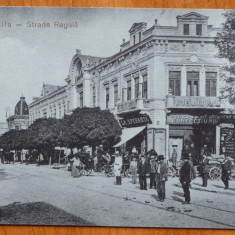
[(117, 117)]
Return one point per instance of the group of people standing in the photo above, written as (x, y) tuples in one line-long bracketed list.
[(156, 165)]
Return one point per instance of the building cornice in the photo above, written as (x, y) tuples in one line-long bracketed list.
[(44, 98)]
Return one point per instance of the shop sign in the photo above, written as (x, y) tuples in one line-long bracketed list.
[(227, 118), (139, 120), (227, 141), (185, 119), (189, 101)]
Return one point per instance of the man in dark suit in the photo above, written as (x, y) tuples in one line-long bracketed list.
[(161, 177), (226, 171), (142, 170), (187, 174)]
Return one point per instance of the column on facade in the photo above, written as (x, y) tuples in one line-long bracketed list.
[(124, 91), (74, 96), (132, 88), (86, 88), (202, 82), (183, 81)]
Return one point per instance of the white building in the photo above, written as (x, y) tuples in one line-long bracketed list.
[(163, 86)]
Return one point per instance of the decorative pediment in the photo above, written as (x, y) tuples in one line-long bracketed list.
[(137, 26), (192, 15)]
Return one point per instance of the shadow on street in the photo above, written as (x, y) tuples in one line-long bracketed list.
[(38, 213)]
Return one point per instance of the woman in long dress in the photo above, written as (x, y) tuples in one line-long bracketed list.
[(75, 167)]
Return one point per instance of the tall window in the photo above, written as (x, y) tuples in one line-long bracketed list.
[(94, 96), (145, 86), (129, 90), (211, 83), (115, 88), (186, 29), (137, 85), (174, 82), (44, 114), (198, 29), (107, 97), (193, 83), (139, 36), (81, 99), (133, 39)]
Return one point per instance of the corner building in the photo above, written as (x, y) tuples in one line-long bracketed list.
[(163, 87)]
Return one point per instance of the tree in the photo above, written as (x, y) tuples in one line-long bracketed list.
[(90, 126), (42, 135), (225, 42), (13, 140)]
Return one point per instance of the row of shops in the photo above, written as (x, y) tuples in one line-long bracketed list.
[(198, 133)]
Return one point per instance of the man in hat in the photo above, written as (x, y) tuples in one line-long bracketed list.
[(153, 157), (161, 177), (187, 174), (226, 171), (142, 170), (118, 167)]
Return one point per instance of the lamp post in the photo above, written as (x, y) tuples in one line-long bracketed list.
[(8, 114)]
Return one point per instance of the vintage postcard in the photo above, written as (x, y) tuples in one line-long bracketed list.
[(117, 117)]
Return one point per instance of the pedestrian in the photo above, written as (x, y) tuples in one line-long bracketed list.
[(76, 166), (133, 169), (161, 177), (226, 171), (174, 157), (187, 174), (118, 167), (153, 171), (142, 170), (205, 172)]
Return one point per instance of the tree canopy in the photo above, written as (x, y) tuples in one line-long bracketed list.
[(85, 126), (90, 126), (225, 42)]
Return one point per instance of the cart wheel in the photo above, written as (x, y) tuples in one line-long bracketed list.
[(171, 171), (215, 173), (232, 176)]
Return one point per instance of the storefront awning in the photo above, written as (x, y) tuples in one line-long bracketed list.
[(129, 133)]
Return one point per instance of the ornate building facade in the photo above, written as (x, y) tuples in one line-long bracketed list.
[(20, 119), (163, 87)]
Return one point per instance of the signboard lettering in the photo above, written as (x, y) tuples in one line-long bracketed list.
[(140, 120), (192, 120), (196, 101)]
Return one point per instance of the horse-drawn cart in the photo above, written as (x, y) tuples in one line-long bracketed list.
[(215, 167)]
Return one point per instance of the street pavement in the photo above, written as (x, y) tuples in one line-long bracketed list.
[(97, 200)]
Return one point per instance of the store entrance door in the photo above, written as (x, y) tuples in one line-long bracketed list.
[(177, 144)]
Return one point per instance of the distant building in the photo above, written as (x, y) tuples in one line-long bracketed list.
[(163, 86), (20, 119)]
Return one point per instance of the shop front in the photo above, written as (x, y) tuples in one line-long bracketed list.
[(134, 132), (192, 133)]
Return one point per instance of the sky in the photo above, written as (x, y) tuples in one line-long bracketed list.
[(31, 56)]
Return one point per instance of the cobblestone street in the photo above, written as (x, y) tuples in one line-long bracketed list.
[(96, 200)]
